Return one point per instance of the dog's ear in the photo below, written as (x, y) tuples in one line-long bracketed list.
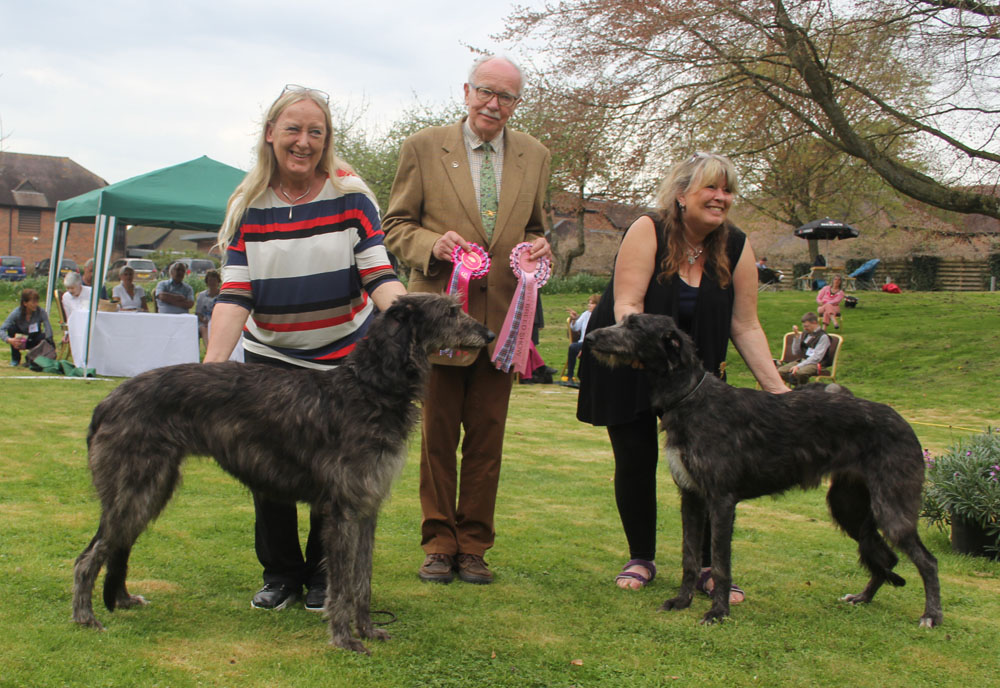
[(672, 340)]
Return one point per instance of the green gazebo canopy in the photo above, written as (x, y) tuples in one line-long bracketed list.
[(191, 195)]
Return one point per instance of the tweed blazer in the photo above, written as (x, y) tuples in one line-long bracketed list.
[(433, 193)]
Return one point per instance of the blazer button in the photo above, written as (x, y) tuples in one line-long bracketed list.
[(482, 287)]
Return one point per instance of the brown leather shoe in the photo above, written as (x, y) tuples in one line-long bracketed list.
[(438, 568), (472, 569)]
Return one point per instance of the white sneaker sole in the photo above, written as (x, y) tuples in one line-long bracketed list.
[(292, 599)]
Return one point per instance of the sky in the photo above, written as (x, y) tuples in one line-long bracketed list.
[(123, 88)]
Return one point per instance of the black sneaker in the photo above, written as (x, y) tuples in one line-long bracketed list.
[(275, 596), (315, 598)]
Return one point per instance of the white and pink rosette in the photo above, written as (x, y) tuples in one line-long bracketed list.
[(514, 340), (469, 265)]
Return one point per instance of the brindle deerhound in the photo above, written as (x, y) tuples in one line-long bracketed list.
[(334, 439), (726, 444)]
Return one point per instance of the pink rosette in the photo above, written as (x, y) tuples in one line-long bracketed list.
[(469, 265), (514, 340)]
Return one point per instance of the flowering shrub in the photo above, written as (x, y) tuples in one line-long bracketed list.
[(965, 482)]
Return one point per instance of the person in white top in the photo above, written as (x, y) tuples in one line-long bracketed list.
[(578, 325), (77, 294), (127, 294)]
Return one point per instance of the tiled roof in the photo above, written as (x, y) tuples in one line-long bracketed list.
[(40, 181)]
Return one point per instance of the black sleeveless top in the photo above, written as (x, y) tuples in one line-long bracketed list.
[(615, 396)]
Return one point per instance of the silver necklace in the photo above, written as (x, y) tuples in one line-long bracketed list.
[(693, 253), (292, 202)]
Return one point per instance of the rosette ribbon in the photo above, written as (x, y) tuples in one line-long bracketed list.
[(514, 340), (469, 265)]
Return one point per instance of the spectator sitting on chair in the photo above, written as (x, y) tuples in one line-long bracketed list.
[(173, 295), (77, 294), (809, 349), (88, 278), (127, 294), (578, 325), (829, 298)]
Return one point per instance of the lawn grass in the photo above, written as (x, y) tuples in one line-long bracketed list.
[(553, 618)]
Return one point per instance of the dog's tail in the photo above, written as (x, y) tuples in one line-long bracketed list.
[(850, 506), (114, 579), (876, 556)]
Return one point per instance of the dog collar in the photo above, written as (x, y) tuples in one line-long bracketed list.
[(693, 390)]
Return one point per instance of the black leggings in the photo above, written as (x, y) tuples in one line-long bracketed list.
[(276, 532), (636, 449)]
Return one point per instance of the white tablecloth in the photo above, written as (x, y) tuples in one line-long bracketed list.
[(126, 344)]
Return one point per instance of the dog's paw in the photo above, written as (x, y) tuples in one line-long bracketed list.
[(89, 622), (378, 634), (129, 601), (930, 621), (352, 644), (714, 615), (675, 603), (855, 599)]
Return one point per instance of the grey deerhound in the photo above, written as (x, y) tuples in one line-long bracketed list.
[(726, 444), (334, 439)]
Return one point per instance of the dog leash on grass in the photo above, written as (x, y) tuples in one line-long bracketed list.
[(940, 425), (390, 620)]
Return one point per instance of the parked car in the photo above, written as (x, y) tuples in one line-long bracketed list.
[(144, 269), (198, 266), (42, 267), (12, 268)]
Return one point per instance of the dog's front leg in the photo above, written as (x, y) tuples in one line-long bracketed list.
[(341, 533), (363, 582), (693, 527), (722, 511)]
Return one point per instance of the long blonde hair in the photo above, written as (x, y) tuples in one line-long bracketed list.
[(266, 165), (695, 173)]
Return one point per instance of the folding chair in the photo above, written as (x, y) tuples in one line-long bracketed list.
[(864, 276), (64, 343), (571, 336), (826, 373)]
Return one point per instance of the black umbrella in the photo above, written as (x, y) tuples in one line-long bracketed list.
[(826, 229)]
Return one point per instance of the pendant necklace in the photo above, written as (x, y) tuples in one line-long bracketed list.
[(292, 202), (692, 253)]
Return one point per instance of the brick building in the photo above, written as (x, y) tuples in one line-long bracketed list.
[(30, 187), (604, 224)]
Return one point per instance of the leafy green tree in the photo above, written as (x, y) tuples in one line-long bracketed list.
[(375, 154), (595, 156), (885, 82)]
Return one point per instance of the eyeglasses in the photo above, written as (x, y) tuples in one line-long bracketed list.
[(485, 95), (295, 88), (698, 156)]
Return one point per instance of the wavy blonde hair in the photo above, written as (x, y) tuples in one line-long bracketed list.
[(266, 166), (693, 174)]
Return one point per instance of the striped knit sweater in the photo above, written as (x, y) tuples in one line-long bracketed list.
[(306, 279)]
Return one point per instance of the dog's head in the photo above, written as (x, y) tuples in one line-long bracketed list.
[(643, 340), (434, 322)]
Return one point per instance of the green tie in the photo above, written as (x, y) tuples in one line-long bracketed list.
[(488, 191)]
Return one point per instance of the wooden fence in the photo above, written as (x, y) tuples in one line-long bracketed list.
[(953, 274)]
